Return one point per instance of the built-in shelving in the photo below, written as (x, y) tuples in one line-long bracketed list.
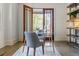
[(73, 10)]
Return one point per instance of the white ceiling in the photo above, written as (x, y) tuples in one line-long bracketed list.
[(45, 5)]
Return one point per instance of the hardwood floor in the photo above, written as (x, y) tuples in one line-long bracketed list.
[(66, 50), (10, 50), (63, 48)]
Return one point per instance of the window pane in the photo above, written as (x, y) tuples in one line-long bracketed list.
[(37, 22)]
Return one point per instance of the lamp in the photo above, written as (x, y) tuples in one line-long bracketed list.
[(76, 22)]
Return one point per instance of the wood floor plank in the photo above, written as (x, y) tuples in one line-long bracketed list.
[(66, 50), (63, 48), (10, 50)]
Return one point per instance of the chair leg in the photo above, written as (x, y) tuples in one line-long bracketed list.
[(34, 51), (27, 50), (43, 48)]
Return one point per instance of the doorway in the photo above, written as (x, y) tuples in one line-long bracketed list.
[(43, 19)]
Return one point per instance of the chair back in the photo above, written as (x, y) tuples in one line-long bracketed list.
[(32, 39)]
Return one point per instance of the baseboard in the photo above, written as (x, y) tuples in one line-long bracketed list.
[(21, 39), (12, 42), (58, 39)]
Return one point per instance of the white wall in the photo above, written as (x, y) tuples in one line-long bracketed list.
[(60, 18), (20, 21), (1, 27), (13, 23), (8, 24)]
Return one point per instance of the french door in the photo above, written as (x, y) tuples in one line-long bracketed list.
[(27, 19), (48, 22)]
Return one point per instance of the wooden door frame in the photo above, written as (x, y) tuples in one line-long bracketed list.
[(25, 6), (24, 9), (52, 20)]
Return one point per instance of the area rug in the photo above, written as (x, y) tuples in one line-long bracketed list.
[(48, 51)]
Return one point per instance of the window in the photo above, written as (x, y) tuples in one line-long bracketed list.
[(37, 21)]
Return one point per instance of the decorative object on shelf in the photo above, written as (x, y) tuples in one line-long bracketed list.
[(76, 23), (74, 13), (70, 24)]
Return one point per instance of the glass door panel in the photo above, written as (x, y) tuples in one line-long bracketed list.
[(48, 22), (37, 20)]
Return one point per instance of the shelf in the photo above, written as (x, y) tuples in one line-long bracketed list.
[(70, 20), (72, 28), (73, 12), (72, 5), (73, 35)]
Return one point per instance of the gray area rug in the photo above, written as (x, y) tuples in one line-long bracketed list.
[(48, 49)]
